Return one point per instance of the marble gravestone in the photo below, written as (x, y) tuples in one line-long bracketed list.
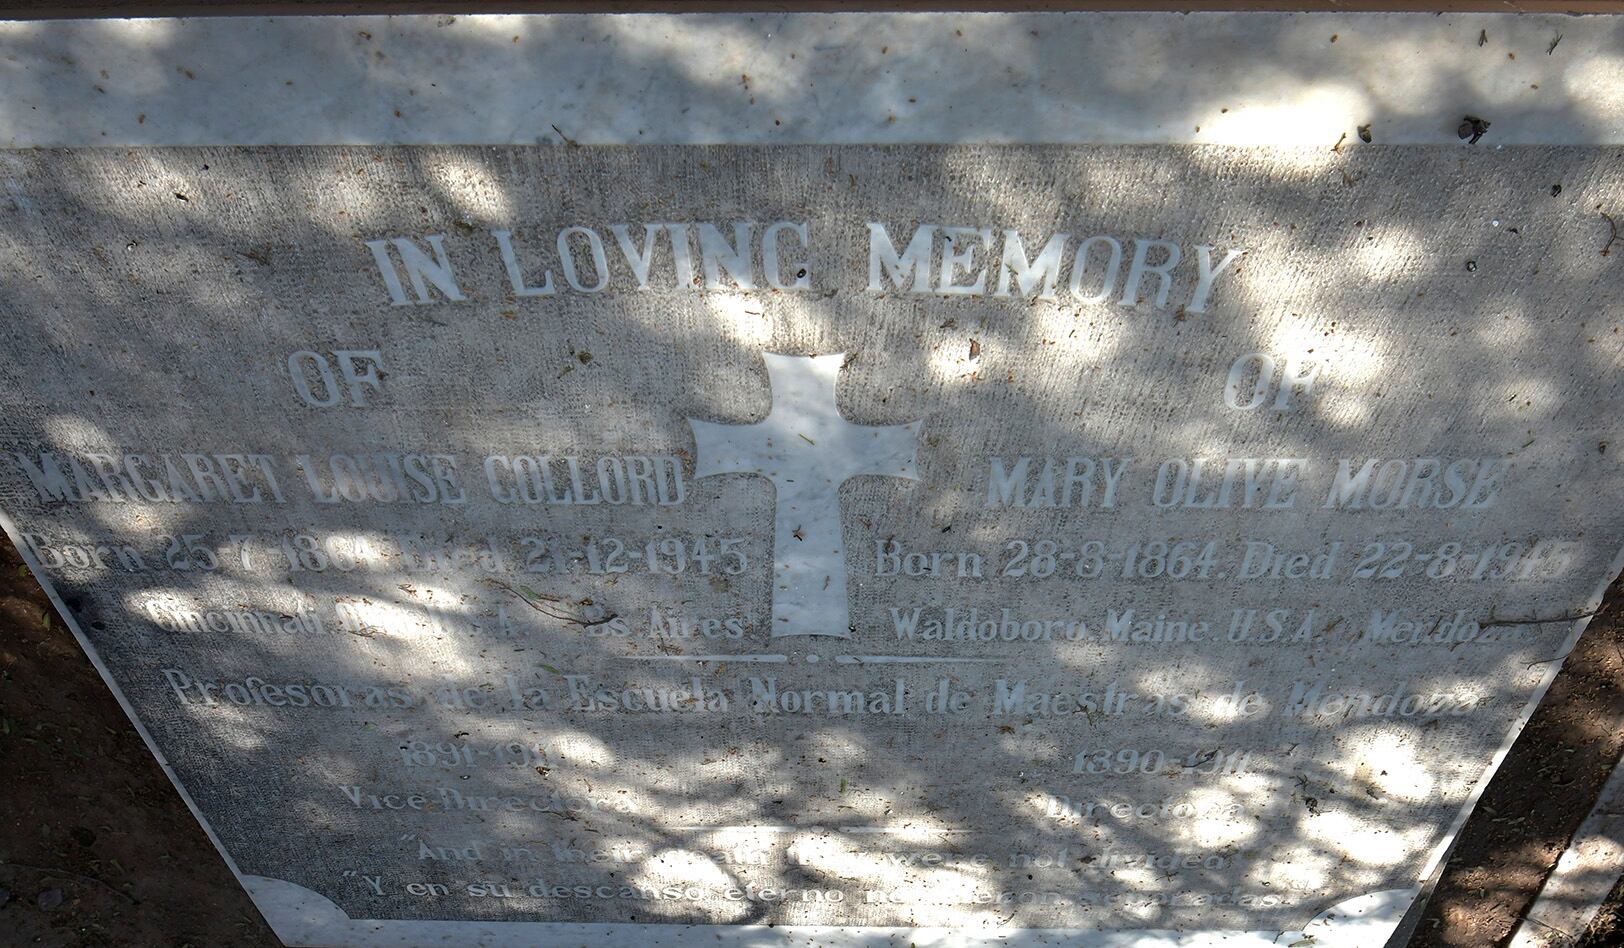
[(1103, 480)]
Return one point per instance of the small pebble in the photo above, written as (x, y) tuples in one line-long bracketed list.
[(5, 896), (50, 899), (1471, 266)]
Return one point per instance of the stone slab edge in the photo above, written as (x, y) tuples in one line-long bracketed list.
[(1583, 878), (1239, 79)]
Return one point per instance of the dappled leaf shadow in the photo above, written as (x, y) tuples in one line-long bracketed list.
[(214, 264)]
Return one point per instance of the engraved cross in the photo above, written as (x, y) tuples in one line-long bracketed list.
[(807, 450)]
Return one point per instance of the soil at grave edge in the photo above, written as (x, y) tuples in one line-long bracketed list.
[(97, 849)]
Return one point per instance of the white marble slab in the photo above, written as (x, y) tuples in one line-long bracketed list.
[(1300, 91)]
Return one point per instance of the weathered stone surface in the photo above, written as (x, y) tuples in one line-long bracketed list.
[(541, 543)]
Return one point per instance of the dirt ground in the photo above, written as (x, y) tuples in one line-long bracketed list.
[(97, 849)]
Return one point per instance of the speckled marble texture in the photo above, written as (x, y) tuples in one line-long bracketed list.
[(1113, 78), (227, 260)]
